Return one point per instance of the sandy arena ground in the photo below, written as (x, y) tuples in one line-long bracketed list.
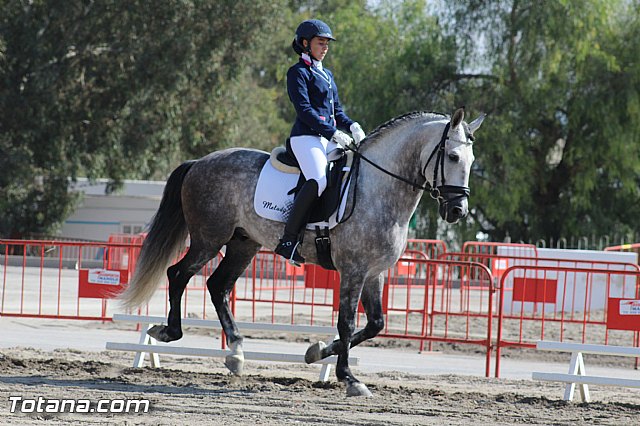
[(49, 359), (201, 391)]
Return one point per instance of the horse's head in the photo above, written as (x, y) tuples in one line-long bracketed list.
[(447, 166)]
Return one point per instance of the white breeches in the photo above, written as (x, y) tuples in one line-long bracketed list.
[(311, 153)]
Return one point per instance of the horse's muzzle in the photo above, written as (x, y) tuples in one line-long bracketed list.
[(453, 212), (453, 203)]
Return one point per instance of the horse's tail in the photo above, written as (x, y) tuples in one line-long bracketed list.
[(166, 238)]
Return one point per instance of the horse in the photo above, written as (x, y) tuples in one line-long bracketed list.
[(211, 201)]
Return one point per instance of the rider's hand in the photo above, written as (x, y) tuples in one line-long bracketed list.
[(341, 138), (357, 133)]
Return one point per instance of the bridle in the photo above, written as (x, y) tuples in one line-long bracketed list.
[(442, 193)]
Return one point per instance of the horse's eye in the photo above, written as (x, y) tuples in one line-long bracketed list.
[(454, 157)]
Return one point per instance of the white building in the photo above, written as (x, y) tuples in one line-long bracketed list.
[(127, 211)]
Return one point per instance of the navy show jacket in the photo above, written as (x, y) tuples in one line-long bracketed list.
[(314, 95)]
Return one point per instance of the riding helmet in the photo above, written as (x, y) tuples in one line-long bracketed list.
[(309, 29)]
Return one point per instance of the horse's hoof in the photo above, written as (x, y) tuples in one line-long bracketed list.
[(235, 364), (358, 389), (235, 360), (314, 352), (159, 332)]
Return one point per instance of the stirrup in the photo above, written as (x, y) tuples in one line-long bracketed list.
[(289, 250)]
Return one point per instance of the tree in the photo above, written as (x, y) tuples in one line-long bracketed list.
[(119, 90), (130, 89), (559, 154)]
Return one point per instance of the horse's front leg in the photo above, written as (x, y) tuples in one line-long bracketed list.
[(350, 289), (372, 303)]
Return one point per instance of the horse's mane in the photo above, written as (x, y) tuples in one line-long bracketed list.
[(395, 122)]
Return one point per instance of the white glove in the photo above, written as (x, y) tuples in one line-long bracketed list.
[(357, 133), (341, 138)]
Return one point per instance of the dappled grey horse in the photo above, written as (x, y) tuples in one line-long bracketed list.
[(211, 200)]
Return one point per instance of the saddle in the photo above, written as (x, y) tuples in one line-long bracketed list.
[(338, 171), (282, 159)]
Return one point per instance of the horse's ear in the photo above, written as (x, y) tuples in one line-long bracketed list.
[(457, 118), (473, 126)]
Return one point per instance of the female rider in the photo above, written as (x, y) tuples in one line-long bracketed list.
[(315, 133)]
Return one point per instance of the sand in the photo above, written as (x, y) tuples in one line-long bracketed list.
[(201, 391)]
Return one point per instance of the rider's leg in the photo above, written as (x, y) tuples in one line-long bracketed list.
[(297, 220), (311, 153)]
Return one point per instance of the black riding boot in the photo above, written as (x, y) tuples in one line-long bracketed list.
[(297, 220)]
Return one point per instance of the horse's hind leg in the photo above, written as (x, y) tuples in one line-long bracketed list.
[(237, 257), (372, 303), (179, 276)]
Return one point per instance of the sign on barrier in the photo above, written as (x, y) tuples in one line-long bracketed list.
[(498, 266), (317, 277), (101, 283), (541, 290), (623, 314), (404, 268), (630, 307)]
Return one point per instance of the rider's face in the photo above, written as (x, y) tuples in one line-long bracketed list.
[(319, 47)]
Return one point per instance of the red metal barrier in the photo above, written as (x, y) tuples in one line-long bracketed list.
[(513, 249), (498, 263), (120, 254), (275, 292), (624, 247), (431, 307), (42, 279), (424, 299), (431, 248), (567, 304)]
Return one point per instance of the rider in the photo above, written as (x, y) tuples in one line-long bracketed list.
[(315, 132)]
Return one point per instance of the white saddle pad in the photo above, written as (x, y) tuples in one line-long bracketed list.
[(271, 200)]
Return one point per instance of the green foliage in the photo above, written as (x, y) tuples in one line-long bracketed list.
[(391, 60), (120, 90), (131, 89), (558, 155)]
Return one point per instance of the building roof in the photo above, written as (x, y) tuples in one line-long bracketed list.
[(130, 188)]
